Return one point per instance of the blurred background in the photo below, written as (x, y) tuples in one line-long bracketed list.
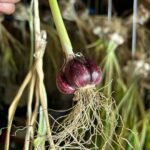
[(92, 27)]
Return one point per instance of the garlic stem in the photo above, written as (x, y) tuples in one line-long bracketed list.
[(62, 32)]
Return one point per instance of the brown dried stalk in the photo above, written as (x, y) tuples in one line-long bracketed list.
[(35, 77)]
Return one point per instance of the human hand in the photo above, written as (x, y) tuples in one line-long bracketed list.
[(7, 6)]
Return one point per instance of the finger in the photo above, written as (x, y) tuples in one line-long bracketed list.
[(7, 8), (9, 1)]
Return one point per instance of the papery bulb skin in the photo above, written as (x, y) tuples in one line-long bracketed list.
[(62, 84), (95, 71), (76, 73)]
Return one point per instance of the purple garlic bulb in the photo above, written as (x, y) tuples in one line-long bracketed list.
[(78, 72), (62, 84)]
